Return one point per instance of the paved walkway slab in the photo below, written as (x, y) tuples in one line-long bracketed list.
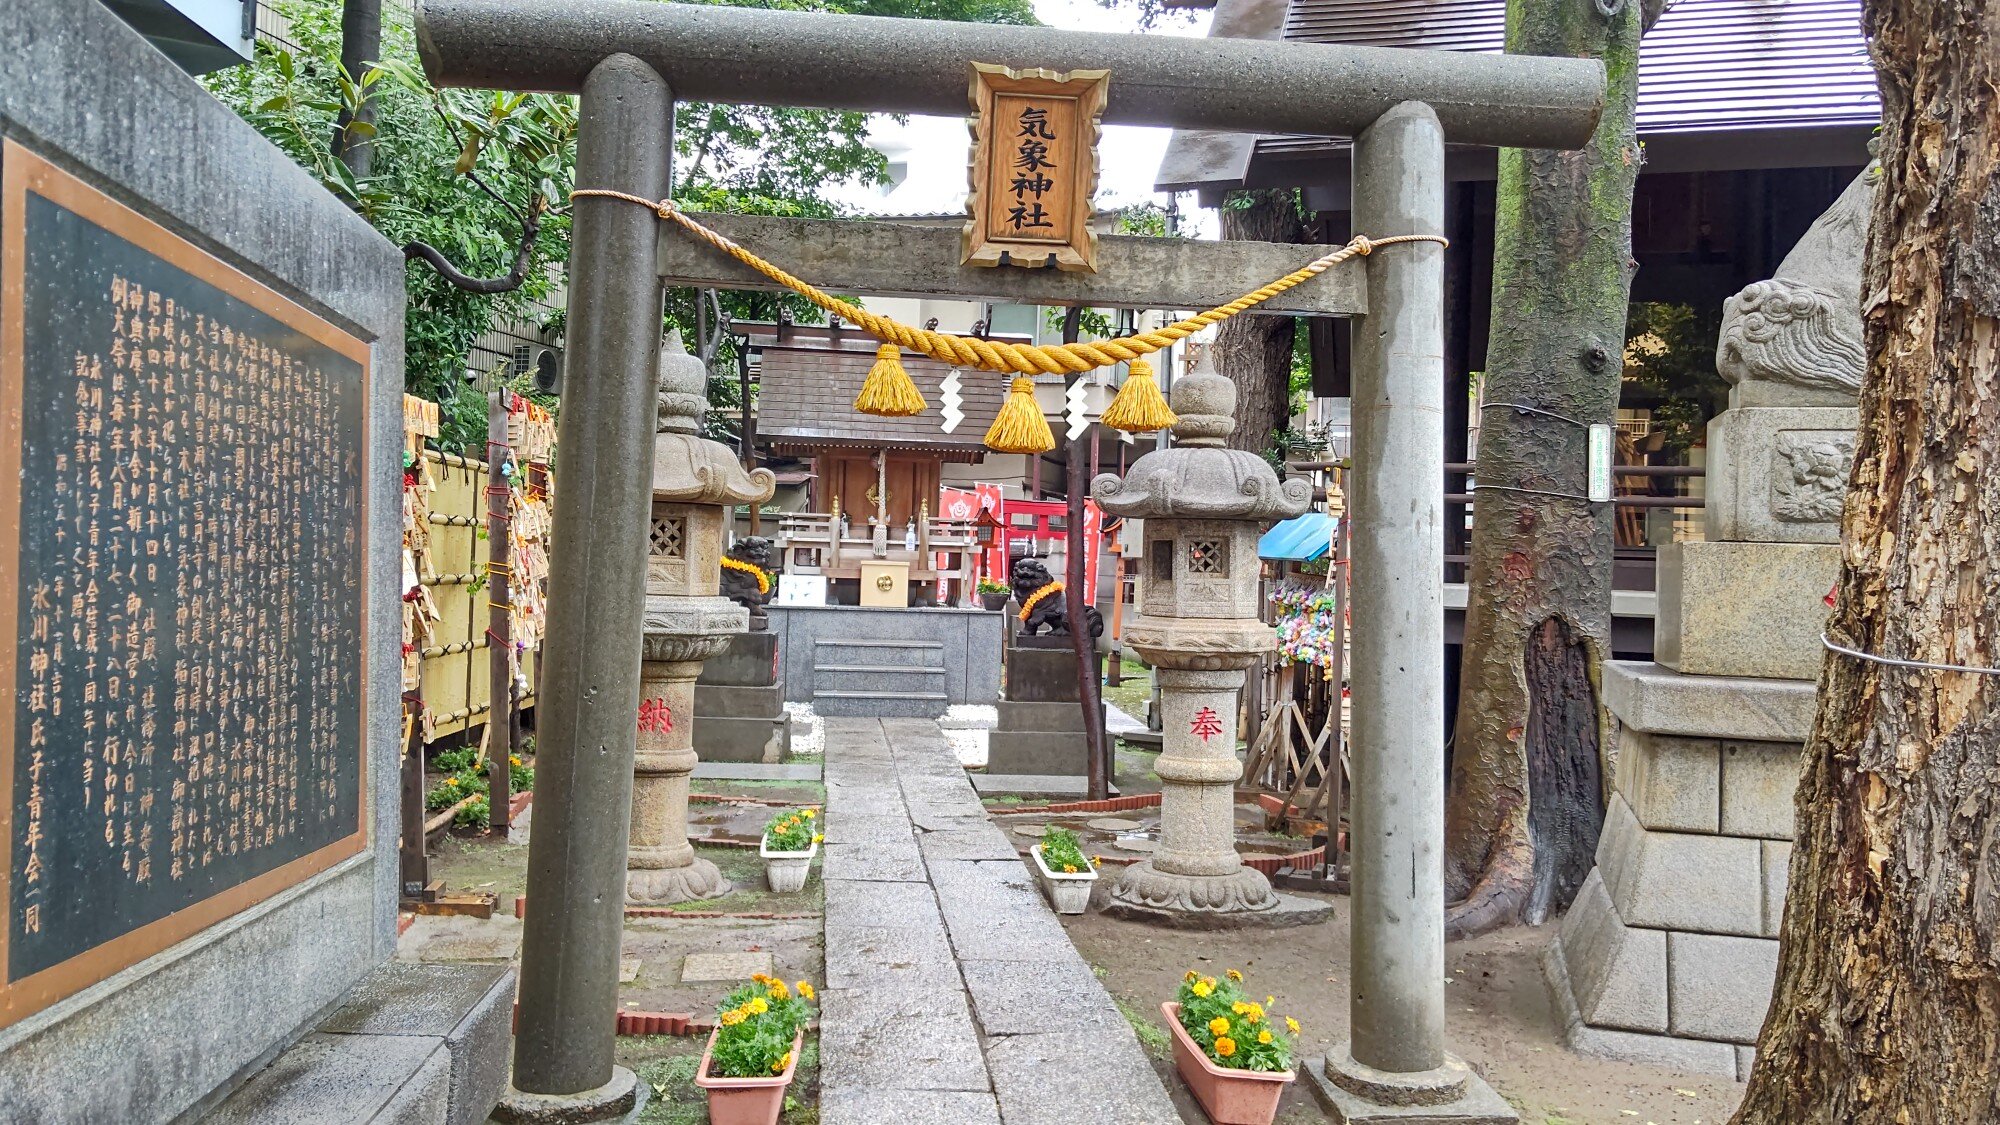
[(952, 992)]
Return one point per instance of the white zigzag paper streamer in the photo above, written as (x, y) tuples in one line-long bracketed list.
[(950, 401), (1078, 420)]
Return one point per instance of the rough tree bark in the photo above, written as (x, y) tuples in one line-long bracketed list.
[(1256, 351), (1526, 799), (1887, 1005)]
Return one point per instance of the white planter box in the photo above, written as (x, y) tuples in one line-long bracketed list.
[(1069, 894), (787, 871)]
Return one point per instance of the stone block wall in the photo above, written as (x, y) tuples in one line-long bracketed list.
[(1670, 950)]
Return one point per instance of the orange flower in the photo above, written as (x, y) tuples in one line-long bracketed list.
[(1225, 1047)]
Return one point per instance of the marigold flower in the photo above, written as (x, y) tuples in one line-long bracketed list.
[(778, 990), (1291, 1025), (1270, 999), (1069, 868), (732, 1017), (817, 837), (1189, 977), (1225, 1047), (760, 978), (757, 1005), (1219, 1026), (1264, 1037), (809, 814), (1240, 1008), (784, 1061), (1202, 988), (1234, 975), (805, 989)]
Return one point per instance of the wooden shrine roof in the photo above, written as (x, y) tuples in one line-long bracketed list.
[(808, 385)]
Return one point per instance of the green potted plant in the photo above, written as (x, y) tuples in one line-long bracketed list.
[(1067, 877), (790, 842), (1234, 1054), (754, 1050), (994, 595)]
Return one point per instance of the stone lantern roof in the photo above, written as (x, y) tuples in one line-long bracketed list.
[(688, 468), (1198, 478)]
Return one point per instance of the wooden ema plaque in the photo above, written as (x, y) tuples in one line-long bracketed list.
[(1034, 167), (182, 568)]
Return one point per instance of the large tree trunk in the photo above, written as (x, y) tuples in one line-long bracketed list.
[(1526, 800), (1887, 1007), (1256, 351)]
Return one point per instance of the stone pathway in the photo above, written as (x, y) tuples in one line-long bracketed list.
[(952, 995)]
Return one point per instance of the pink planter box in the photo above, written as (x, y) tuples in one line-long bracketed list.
[(746, 1101), (1230, 1097)]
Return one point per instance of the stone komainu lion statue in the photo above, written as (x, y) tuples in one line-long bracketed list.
[(1030, 575), (741, 586)]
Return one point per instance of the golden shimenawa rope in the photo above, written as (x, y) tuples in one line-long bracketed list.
[(996, 355)]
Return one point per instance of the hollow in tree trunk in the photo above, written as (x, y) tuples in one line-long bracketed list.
[(1526, 801), (1256, 351), (1887, 1004)]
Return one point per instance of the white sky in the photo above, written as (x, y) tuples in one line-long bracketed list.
[(935, 148)]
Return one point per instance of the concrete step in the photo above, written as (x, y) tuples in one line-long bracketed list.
[(875, 679), (903, 654), (880, 704), (414, 1043), (887, 669)]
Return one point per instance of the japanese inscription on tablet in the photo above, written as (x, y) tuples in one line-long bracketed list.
[(181, 587)]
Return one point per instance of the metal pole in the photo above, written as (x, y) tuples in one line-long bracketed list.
[(1398, 616), (499, 618), (576, 861), (1075, 554)]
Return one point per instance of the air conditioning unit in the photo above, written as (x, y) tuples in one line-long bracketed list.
[(547, 372)]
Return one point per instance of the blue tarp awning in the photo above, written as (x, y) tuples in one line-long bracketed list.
[(1299, 539)]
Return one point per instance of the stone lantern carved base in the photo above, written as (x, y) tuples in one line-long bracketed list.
[(1242, 890), (658, 886)]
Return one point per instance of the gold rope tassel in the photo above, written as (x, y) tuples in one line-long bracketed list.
[(1020, 427), (1139, 407), (889, 392)]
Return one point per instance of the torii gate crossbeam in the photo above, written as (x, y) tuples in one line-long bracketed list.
[(629, 59)]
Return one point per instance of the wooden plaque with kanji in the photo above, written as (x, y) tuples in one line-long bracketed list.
[(1034, 167)]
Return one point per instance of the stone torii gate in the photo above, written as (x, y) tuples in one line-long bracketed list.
[(629, 60)]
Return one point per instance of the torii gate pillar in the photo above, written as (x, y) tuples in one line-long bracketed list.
[(1394, 1065), (563, 1050)]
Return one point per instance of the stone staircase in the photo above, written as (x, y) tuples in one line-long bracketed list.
[(856, 678)]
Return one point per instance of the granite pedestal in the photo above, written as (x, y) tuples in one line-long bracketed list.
[(739, 705), (1040, 727)]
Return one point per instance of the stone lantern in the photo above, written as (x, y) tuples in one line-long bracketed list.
[(1197, 625), (696, 485)]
